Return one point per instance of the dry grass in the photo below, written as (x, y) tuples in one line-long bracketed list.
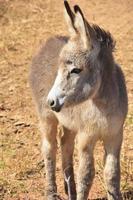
[(24, 25)]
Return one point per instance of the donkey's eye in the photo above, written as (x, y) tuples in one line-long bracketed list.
[(69, 62), (76, 71)]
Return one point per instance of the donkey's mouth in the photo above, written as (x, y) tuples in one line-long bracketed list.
[(57, 108)]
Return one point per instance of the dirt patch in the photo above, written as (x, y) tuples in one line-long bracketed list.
[(24, 26)]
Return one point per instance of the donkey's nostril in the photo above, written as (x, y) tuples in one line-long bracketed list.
[(54, 104), (51, 103)]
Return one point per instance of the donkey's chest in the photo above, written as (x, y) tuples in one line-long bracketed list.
[(89, 119)]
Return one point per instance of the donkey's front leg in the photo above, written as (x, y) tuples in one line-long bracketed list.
[(112, 167), (67, 147), (49, 147), (86, 167)]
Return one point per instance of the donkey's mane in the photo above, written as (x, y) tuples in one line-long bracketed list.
[(104, 37)]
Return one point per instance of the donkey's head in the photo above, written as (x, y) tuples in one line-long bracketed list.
[(79, 72)]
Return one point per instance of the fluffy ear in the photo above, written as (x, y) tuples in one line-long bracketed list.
[(69, 17), (81, 26)]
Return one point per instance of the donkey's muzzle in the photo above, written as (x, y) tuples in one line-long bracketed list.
[(54, 105)]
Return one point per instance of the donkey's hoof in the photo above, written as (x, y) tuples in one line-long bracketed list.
[(54, 196)]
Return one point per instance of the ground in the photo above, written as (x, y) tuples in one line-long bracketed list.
[(24, 26)]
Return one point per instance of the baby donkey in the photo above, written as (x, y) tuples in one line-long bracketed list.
[(76, 83)]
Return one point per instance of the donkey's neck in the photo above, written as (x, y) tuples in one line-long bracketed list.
[(108, 89)]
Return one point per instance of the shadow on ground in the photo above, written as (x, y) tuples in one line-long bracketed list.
[(125, 196)]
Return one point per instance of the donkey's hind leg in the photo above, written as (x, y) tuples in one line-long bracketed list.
[(67, 147), (112, 148), (49, 147)]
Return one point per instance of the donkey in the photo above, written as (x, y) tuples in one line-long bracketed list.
[(77, 84)]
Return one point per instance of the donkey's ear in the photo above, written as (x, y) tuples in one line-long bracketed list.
[(81, 26), (70, 17)]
